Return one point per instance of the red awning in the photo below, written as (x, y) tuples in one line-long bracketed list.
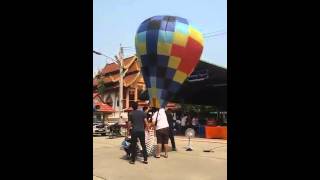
[(172, 106), (104, 107), (128, 109)]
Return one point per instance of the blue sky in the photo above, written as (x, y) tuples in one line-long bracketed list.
[(115, 22)]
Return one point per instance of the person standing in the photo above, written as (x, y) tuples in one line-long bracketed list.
[(137, 119), (171, 134), (150, 139), (159, 119), (183, 123), (150, 135), (189, 121), (195, 123), (178, 123)]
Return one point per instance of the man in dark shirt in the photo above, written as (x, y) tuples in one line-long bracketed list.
[(137, 119), (171, 134)]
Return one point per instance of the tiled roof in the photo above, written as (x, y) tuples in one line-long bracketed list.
[(113, 78), (104, 107), (128, 80), (115, 67), (131, 76), (135, 67)]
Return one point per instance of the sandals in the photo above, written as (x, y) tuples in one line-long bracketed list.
[(165, 156), (131, 162)]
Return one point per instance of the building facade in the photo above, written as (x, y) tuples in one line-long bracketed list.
[(133, 86), (101, 111)]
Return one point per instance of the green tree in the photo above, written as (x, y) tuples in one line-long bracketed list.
[(201, 110), (101, 87)]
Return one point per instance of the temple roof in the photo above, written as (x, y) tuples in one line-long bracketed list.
[(113, 67), (110, 73)]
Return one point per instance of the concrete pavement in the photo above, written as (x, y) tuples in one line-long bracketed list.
[(109, 162)]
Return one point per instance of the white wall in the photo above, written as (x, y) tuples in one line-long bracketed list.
[(114, 97)]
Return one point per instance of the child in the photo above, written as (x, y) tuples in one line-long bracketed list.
[(126, 145), (150, 136)]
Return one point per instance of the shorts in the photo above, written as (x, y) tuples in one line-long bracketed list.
[(162, 136)]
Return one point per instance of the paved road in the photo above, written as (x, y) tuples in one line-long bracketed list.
[(109, 162)]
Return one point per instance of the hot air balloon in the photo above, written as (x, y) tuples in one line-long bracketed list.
[(168, 49)]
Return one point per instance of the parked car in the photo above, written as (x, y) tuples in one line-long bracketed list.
[(99, 127)]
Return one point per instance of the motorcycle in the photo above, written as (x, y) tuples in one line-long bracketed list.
[(113, 130)]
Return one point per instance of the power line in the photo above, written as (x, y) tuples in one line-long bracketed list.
[(213, 35), (107, 57), (129, 47), (102, 54), (206, 34)]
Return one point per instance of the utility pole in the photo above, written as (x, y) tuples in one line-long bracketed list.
[(121, 83), (119, 61)]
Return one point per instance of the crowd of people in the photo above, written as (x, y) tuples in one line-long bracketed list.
[(185, 121), (153, 128), (148, 126)]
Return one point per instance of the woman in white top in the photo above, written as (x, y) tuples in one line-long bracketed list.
[(159, 119), (150, 135)]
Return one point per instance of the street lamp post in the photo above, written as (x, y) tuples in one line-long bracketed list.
[(119, 62), (122, 74)]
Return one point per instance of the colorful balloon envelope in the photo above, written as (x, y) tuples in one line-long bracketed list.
[(169, 48)]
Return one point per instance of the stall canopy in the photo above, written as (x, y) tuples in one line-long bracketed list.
[(207, 85)]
